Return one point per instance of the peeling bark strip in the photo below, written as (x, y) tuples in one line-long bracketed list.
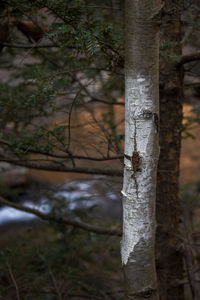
[(141, 148)]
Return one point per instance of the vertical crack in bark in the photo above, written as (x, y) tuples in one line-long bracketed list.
[(136, 158)]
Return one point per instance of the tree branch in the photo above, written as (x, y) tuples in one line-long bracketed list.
[(64, 156), (60, 220), (64, 168), (189, 58), (29, 46), (97, 6), (94, 99), (74, 156), (192, 85)]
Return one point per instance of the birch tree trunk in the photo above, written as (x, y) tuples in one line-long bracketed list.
[(141, 147)]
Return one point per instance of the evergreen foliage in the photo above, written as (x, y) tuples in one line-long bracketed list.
[(86, 45)]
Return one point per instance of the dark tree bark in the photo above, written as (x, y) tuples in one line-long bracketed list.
[(169, 256)]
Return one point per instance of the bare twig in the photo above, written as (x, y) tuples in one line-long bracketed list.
[(69, 120), (94, 99), (189, 254), (55, 284), (189, 261), (13, 280)]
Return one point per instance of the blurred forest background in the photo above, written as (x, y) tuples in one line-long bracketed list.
[(61, 147)]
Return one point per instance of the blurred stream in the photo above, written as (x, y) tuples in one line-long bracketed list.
[(96, 197)]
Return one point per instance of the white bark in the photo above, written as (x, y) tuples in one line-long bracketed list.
[(139, 216), (141, 139)]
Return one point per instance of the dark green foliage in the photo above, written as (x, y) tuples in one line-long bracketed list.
[(88, 41), (43, 85), (72, 260)]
